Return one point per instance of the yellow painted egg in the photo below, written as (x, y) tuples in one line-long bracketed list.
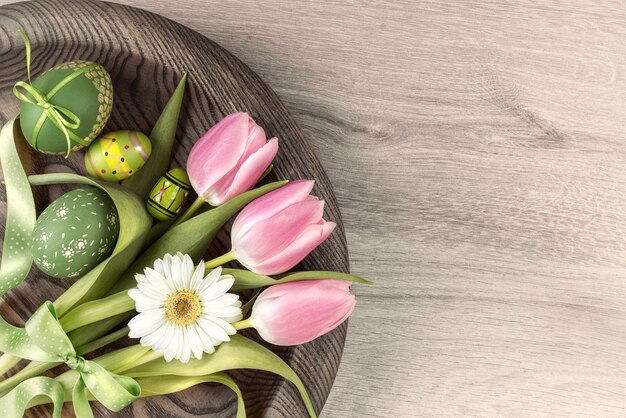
[(117, 155)]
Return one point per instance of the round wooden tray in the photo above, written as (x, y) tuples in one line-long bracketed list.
[(146, 55)]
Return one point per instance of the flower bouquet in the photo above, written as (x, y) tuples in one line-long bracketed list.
[(135, 248)]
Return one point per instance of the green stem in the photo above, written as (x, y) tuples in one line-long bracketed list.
[(35, 368), (195, 206), (96, 310), (223, 259), (243, 324), (146, 358), (102, 341), (7, 362)]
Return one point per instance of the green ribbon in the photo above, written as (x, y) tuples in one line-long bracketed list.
[(43, 339), (64, 119), (20, 215)]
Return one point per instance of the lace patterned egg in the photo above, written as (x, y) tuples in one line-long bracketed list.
[(80, 87)]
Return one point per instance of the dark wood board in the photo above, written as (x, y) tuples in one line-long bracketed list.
[(146, 55)]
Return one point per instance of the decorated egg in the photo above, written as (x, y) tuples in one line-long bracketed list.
[(117, 155), (78, 94), (168, 195), (75, 233)]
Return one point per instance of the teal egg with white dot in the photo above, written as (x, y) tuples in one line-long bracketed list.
[(75, 233)]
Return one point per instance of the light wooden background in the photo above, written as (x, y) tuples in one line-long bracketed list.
[(478, 151)]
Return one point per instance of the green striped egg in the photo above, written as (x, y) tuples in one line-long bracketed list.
[(88, 94), (117, 155), (168, 196), (75, 233)]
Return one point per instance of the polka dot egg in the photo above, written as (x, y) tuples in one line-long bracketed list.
[(75, 233)]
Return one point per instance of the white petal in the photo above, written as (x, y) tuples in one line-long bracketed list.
[(158, 266), (169, 341), (212, 329), (180, 343), (166, 265), (177, 278), (158, 280), (227, 299), (218, 289), (156, 337), (146, 323), (186, 271), (152, 292), (145, 303), (222, 324), (211, 278), (207, 343), (197, 277), (231, 319), (186, 349), (169, 354), (195, 343), (221, 311)]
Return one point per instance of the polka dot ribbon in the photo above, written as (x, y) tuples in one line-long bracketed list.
[(43, 339), (20, 215)]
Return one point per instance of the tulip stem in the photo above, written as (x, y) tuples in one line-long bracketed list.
[(243, 324), (195, 206), (222, 259), (7, 362)]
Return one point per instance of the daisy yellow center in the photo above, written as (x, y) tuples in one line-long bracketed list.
[(183, 308)]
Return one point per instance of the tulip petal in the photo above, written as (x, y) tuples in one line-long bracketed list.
[(269, 205), (252, 169), (256, 140), (298, 312), (271, 236), (217, 152), (244, 176), (310, 239)]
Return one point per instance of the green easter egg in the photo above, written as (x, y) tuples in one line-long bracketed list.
[(85, 89), (75, 233), (117, 155), (168, 196)]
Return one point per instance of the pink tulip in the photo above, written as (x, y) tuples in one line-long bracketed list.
[(276, 231), (230, 158), (299, 312)]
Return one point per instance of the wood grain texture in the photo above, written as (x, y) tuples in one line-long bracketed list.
[(145, 67), (477, 150)]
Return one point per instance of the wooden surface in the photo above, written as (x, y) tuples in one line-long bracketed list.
[(478, 153), (145, 68)]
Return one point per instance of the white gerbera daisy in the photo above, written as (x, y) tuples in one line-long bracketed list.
[(181, 312)]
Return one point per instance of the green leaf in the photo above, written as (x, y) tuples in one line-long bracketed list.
[(191, 237), (245, 279), (135, 223), (162, 385), (84, 335), (239, 353), (162, 139)]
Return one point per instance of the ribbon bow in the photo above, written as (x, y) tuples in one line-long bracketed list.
[(64, 119), (43, 339)]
